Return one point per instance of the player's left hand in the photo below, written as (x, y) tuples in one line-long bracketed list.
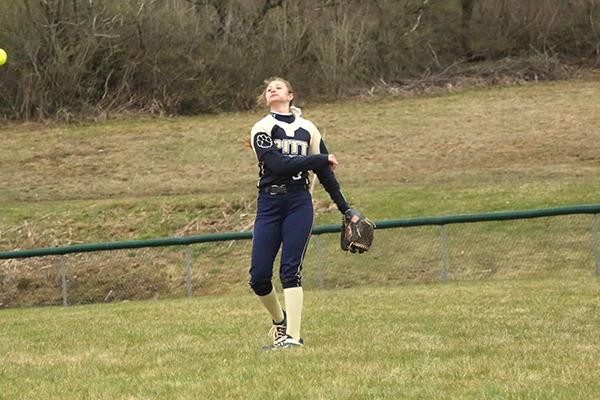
[(357, 232)]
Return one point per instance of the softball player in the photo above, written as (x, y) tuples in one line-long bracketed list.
[(286, 147)]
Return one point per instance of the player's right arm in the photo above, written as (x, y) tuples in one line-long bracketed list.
[(266, 152)]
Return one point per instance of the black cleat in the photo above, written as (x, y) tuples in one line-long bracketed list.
[(278, 329), (286, 342)]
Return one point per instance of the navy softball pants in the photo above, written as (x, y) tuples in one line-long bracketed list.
[(282, 220)]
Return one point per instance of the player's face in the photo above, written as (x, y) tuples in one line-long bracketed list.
[(278, 92)]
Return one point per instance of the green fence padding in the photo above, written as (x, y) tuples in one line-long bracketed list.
[(322, 229)]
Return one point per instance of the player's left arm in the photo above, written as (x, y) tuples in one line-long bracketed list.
[(326, 175)]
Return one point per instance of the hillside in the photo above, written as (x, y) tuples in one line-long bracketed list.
[(478, 150), (533, 146)]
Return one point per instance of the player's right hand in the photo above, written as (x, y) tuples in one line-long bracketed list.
[(333, 162)]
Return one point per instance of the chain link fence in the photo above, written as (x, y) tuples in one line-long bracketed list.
[(550, 246), (404, 252)]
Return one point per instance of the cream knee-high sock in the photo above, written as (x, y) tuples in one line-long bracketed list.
[(294, 299), (271, 303)]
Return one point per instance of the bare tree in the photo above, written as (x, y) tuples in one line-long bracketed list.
[(267, 5), (465, 31)]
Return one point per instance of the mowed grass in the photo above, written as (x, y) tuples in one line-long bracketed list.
[(534, 336), (523, 339)]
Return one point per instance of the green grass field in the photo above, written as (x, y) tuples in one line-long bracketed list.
[(519, 318), (511, 339)]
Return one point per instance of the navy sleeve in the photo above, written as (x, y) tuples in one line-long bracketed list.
[(330, 183), (274, 160), (322, 147)]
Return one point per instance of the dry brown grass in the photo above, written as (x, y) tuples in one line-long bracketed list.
[(486, 149), (536, 131)]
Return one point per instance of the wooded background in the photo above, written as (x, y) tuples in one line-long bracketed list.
[(80, 59)]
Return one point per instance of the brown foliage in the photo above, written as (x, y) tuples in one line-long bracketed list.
[(80, 59)]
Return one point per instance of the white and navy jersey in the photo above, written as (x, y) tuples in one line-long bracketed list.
[(279, 138), (287, 147)]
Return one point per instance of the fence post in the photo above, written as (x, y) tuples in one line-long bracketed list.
[(188, 270), (596, 242), (318, 261), (444, 252), (63, 279)]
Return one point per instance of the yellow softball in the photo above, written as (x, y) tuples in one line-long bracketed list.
[(3, 56)]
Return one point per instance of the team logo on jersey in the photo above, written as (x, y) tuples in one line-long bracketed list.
[(263, 141), (292, 147)]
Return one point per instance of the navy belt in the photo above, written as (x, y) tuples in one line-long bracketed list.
[(283, 189)]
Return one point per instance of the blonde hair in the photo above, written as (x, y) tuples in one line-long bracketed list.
[(262, 97)]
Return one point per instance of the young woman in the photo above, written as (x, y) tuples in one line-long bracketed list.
[(286, 147)]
